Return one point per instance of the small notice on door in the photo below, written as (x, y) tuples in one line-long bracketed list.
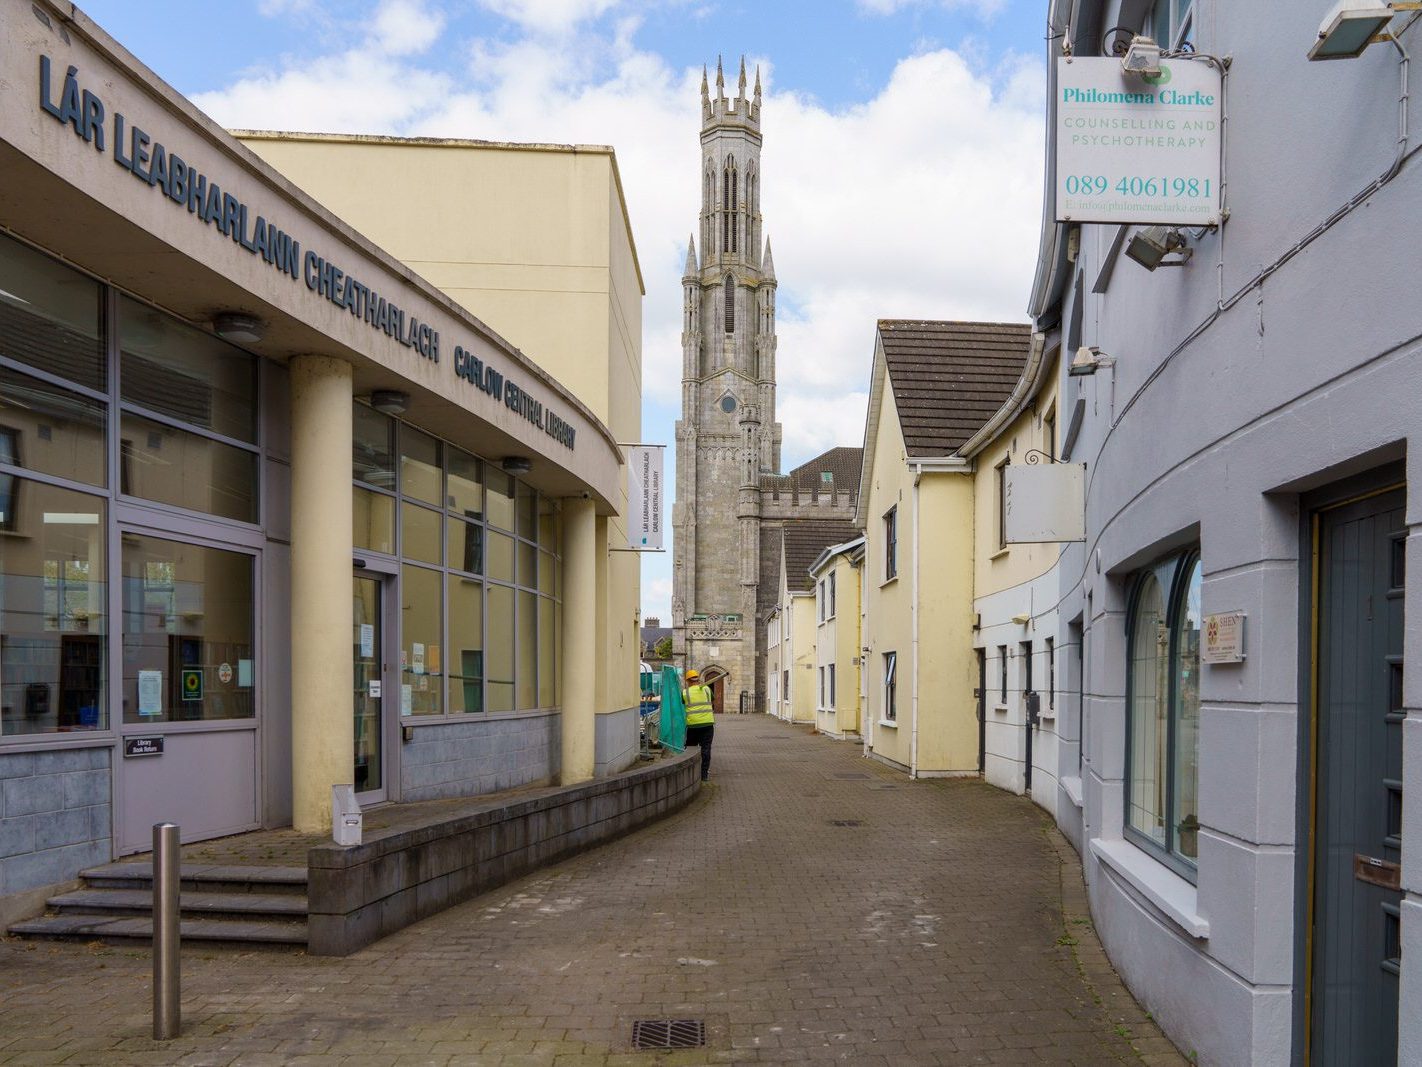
[(407, 700), (224, 674), (417, 658), (373, 690), (1223, 638), (150, 692), (367, 640)]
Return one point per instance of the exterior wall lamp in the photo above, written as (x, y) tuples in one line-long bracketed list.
[(389, 401), (1142, 58), (516, 464), (1352, 25), (1152, 247), (1088, 360)]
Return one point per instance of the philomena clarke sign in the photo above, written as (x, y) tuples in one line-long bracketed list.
[(1138, 150)]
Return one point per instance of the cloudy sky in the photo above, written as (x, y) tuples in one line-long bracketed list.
[(901, 168)]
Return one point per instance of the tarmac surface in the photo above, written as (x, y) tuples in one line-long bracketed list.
[(809, 906)]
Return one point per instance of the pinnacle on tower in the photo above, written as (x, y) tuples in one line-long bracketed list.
[(705, 89), (690, 271), (741, 88), (767, 264), (757, 86), (720, 81)]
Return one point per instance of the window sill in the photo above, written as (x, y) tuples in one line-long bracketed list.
[(1072, 788), (1173, 895), (889, 581), (999, 554), (891, 723)]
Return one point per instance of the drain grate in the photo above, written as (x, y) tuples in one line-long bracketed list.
[(668, 1033), (845, 822)]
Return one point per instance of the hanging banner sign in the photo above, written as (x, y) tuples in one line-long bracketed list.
[(1044, 504), (1141, 150), (644, 496)]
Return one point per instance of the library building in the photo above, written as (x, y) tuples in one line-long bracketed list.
[(276, 512)]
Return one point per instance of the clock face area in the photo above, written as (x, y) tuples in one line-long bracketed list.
[(728, 404)]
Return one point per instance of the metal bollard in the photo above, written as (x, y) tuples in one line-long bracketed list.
[(167, 975)]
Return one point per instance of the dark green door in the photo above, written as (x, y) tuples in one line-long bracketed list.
[(1357, 804)]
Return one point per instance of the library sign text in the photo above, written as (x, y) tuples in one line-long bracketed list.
[(182, 182), (1138, 150)]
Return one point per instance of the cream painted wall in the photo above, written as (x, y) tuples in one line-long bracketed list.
[(998, 569), (544, 255), (837, 642), (799, 657), (888, 603), (947, 666)]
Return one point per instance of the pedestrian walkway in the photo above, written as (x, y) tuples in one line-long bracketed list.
[(809, 906)]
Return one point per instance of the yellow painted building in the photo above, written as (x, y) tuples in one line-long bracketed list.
[(535, 239), (836, 575), (1016, 592), (934, 385), (795, 695)]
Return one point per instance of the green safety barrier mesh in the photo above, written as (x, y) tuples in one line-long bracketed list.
[(673, 725)]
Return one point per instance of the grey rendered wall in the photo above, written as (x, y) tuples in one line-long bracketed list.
[(616, 741), (55, 815), (463, 759), (1310, 375)]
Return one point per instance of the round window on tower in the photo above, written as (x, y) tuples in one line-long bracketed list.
[(728, 403)]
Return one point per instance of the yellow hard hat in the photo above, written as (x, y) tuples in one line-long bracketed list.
[(692, 676)]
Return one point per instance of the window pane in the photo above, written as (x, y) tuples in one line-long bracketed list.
[(466, 546), (500, 644), (187, 626), (466, 484), (527, 507), (500, 499), (374, 521), (1187, 714), (49, 429), (545, 573), (50, 316), (420, 533), (527, 651), (421, 612), (547, 654), (373, 448), (527, 565), (52, 610), (548, 520), (466, 644), (176, 467), (419, 466), (169, 367), (499, 561), (1149, 688)]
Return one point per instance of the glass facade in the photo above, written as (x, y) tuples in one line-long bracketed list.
[(111, 414), (479, 565)]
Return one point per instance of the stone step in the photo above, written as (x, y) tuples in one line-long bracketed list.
[(207, 931), (198, 877), (197, 904)]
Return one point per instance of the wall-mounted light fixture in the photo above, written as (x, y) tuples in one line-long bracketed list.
[(1352, 25), (1153, 246), (1142, 58), (238, 326), (1088, 360), (516, 464), (389, 401)]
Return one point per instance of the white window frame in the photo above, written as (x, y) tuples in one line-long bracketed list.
[(891, 684)]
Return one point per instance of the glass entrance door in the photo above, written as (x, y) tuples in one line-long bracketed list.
[(368, 641)]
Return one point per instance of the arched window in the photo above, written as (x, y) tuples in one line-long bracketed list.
[(730, 316), (729, 202), (1163, 710)]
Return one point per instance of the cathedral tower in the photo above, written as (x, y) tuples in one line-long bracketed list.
[(727, 436)]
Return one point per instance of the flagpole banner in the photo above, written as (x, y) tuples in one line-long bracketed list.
[(644, 496)]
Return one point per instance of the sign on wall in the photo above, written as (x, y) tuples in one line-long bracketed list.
[(644, 497), (1045, 503), (1223, 638), (1138, 150)]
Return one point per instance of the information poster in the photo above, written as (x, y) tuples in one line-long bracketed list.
[(150, 693), (367, 640), (1138, 150)]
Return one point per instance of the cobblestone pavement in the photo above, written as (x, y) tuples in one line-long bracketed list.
[(809, 906)]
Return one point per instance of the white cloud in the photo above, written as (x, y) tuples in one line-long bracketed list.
[(406, 27), (984, 8), (922, 201)]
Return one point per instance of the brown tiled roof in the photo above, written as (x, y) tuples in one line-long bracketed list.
[(842, 462), (949, 378), (804, 541)]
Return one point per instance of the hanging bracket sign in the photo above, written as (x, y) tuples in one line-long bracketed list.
[(1139, 150), (645, 465)]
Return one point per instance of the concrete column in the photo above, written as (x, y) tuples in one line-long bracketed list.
[(580, 638), (322, 704)]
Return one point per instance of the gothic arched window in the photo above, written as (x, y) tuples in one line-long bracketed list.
[(730, 200), (730, 288)]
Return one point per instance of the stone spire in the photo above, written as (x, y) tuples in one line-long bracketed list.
[(705, 91), (741, 87), (720, 81), (757, 87), (690, 271), (767, 264)]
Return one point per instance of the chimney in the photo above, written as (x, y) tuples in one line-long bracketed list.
[(652, 622)]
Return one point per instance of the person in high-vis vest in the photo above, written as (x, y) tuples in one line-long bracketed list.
[(700, 719)]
